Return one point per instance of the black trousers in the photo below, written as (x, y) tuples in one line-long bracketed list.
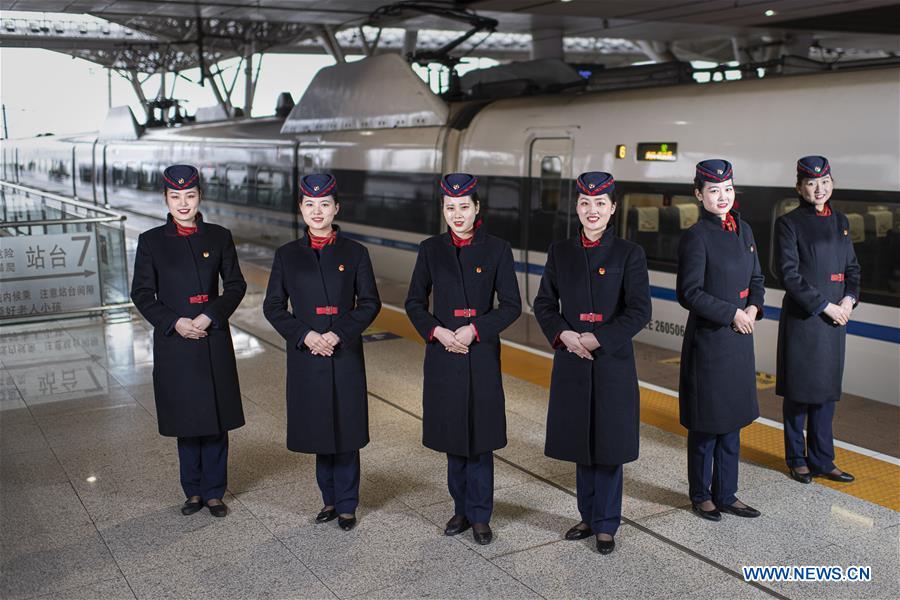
[(471, 483), (204, 465), (338, 479), (599, 490), (817, 451), (713, 466)]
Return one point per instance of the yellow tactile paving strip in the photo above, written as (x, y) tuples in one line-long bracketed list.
[(876, 481)]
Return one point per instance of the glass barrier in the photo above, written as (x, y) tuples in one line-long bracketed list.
[(59, 257)]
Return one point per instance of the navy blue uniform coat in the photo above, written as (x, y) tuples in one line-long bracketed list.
[(594, 411), (717, 387), (463, 401), (809, 249), (195, 382), (327, 406)]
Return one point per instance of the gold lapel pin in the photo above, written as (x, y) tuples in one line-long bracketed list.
[(206, 254), (340, 267), (602, 271), (845, 232), (752, 249), (478, 269)]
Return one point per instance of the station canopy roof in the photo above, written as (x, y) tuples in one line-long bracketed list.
[(619, 31)]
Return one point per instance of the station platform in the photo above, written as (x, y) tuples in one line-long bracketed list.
[(89, 491)]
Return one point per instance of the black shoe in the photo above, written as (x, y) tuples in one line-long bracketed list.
[(326, 514), (483, 537), (189, 508), (801, 477), (605, 546), (346, 524), (217, 510), (740, 511), (457, 525), (842, 477), (709, 515), (578, 533)]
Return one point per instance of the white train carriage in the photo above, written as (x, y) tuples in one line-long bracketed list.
[(388, 149)]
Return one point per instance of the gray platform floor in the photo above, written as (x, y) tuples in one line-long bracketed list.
[(89, 497)]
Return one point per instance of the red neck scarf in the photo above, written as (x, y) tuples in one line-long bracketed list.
[(183, 231), (460, 242), (317, 243), (729, 224), (826, 212), (586, 243)]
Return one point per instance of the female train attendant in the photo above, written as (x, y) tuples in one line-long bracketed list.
[(720, 282), (593, 419), (818, 270), (176, 288), (329, 282), (464, 414)]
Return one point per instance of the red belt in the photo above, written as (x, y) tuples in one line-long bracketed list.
[(591, 317), (199, 299), (326, 310), (837, 276), (465, 312), (745, 293)]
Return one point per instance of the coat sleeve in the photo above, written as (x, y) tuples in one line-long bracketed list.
[(144, 290), (690, 281), (757, 285), (787, 260), (368, 303), (233, 286), (275, 308), (509, 300), (851, 269), (417, 298), (614, 334), (546, 303)]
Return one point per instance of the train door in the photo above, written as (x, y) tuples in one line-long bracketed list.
[(547, 209)]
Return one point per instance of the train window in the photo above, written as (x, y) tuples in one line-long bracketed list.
[(238, 183), (404, 203), (874, 229), (118, 174), (500, 202), (212, 185), (132, 175), (271, 188), (148, 177), (656, 222), (551, 183), (875, 232), (58, 170)]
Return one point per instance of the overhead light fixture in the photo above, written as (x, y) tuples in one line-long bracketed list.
[(565, 0), (770, 13), (91, 479)]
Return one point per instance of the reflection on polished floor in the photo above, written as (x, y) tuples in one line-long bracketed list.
[(90, 496)]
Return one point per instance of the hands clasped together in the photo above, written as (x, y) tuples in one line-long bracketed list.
[(321, 344), (745, 320), (193, 329), (455, 341), (581, 344), (839, 313)]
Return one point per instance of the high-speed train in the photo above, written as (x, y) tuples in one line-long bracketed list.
[(526, 152)]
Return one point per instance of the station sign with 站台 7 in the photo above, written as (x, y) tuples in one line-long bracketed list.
[(46, 274)]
